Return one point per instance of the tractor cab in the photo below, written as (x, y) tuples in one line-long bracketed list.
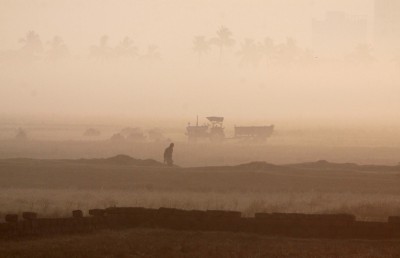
[(217, 133)]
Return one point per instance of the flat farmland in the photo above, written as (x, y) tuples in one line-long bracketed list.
[(168, 243), (55, 187)]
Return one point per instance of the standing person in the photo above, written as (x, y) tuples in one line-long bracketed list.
[(168, 155)]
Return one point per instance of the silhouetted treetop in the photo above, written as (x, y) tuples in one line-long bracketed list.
[(224, 39), (58, 49), (200, 46)]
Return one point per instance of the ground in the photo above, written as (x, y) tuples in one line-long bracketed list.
[(53, 188), (167, 243)]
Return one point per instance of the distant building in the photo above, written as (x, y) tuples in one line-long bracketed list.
[(338, 34), (387, 25)]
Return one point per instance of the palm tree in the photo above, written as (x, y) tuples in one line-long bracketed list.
[(126, 48), (362, 54), (152, 54), (103, 41), (200, 46), (58, 49), (223, 39), (32, 44), (289, 51), (102, 51), (250, 53), (268, 49)]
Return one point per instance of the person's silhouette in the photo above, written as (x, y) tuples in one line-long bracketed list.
[(168, 155)]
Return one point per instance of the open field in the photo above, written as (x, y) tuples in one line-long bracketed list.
[(60, 202), (363, 145), (55, 187), (278, 150), (167, 243)]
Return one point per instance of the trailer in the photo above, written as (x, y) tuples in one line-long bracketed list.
[(215, 131), (257, 133)]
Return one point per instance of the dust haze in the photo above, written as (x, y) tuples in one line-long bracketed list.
[(322, 72), (288, 106), (141, 60)]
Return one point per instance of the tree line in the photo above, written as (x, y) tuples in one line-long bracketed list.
[(248, 52), (253, 53), (33, 48)]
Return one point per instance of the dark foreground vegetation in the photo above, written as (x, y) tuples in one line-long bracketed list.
[(168, 243), (329, 226)]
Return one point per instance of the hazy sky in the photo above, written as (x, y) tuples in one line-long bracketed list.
[(177, 86), (171, 22)]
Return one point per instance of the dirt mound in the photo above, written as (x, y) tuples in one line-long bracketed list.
[(258, 165), (124, 160), (323, 164), (121, 159)]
